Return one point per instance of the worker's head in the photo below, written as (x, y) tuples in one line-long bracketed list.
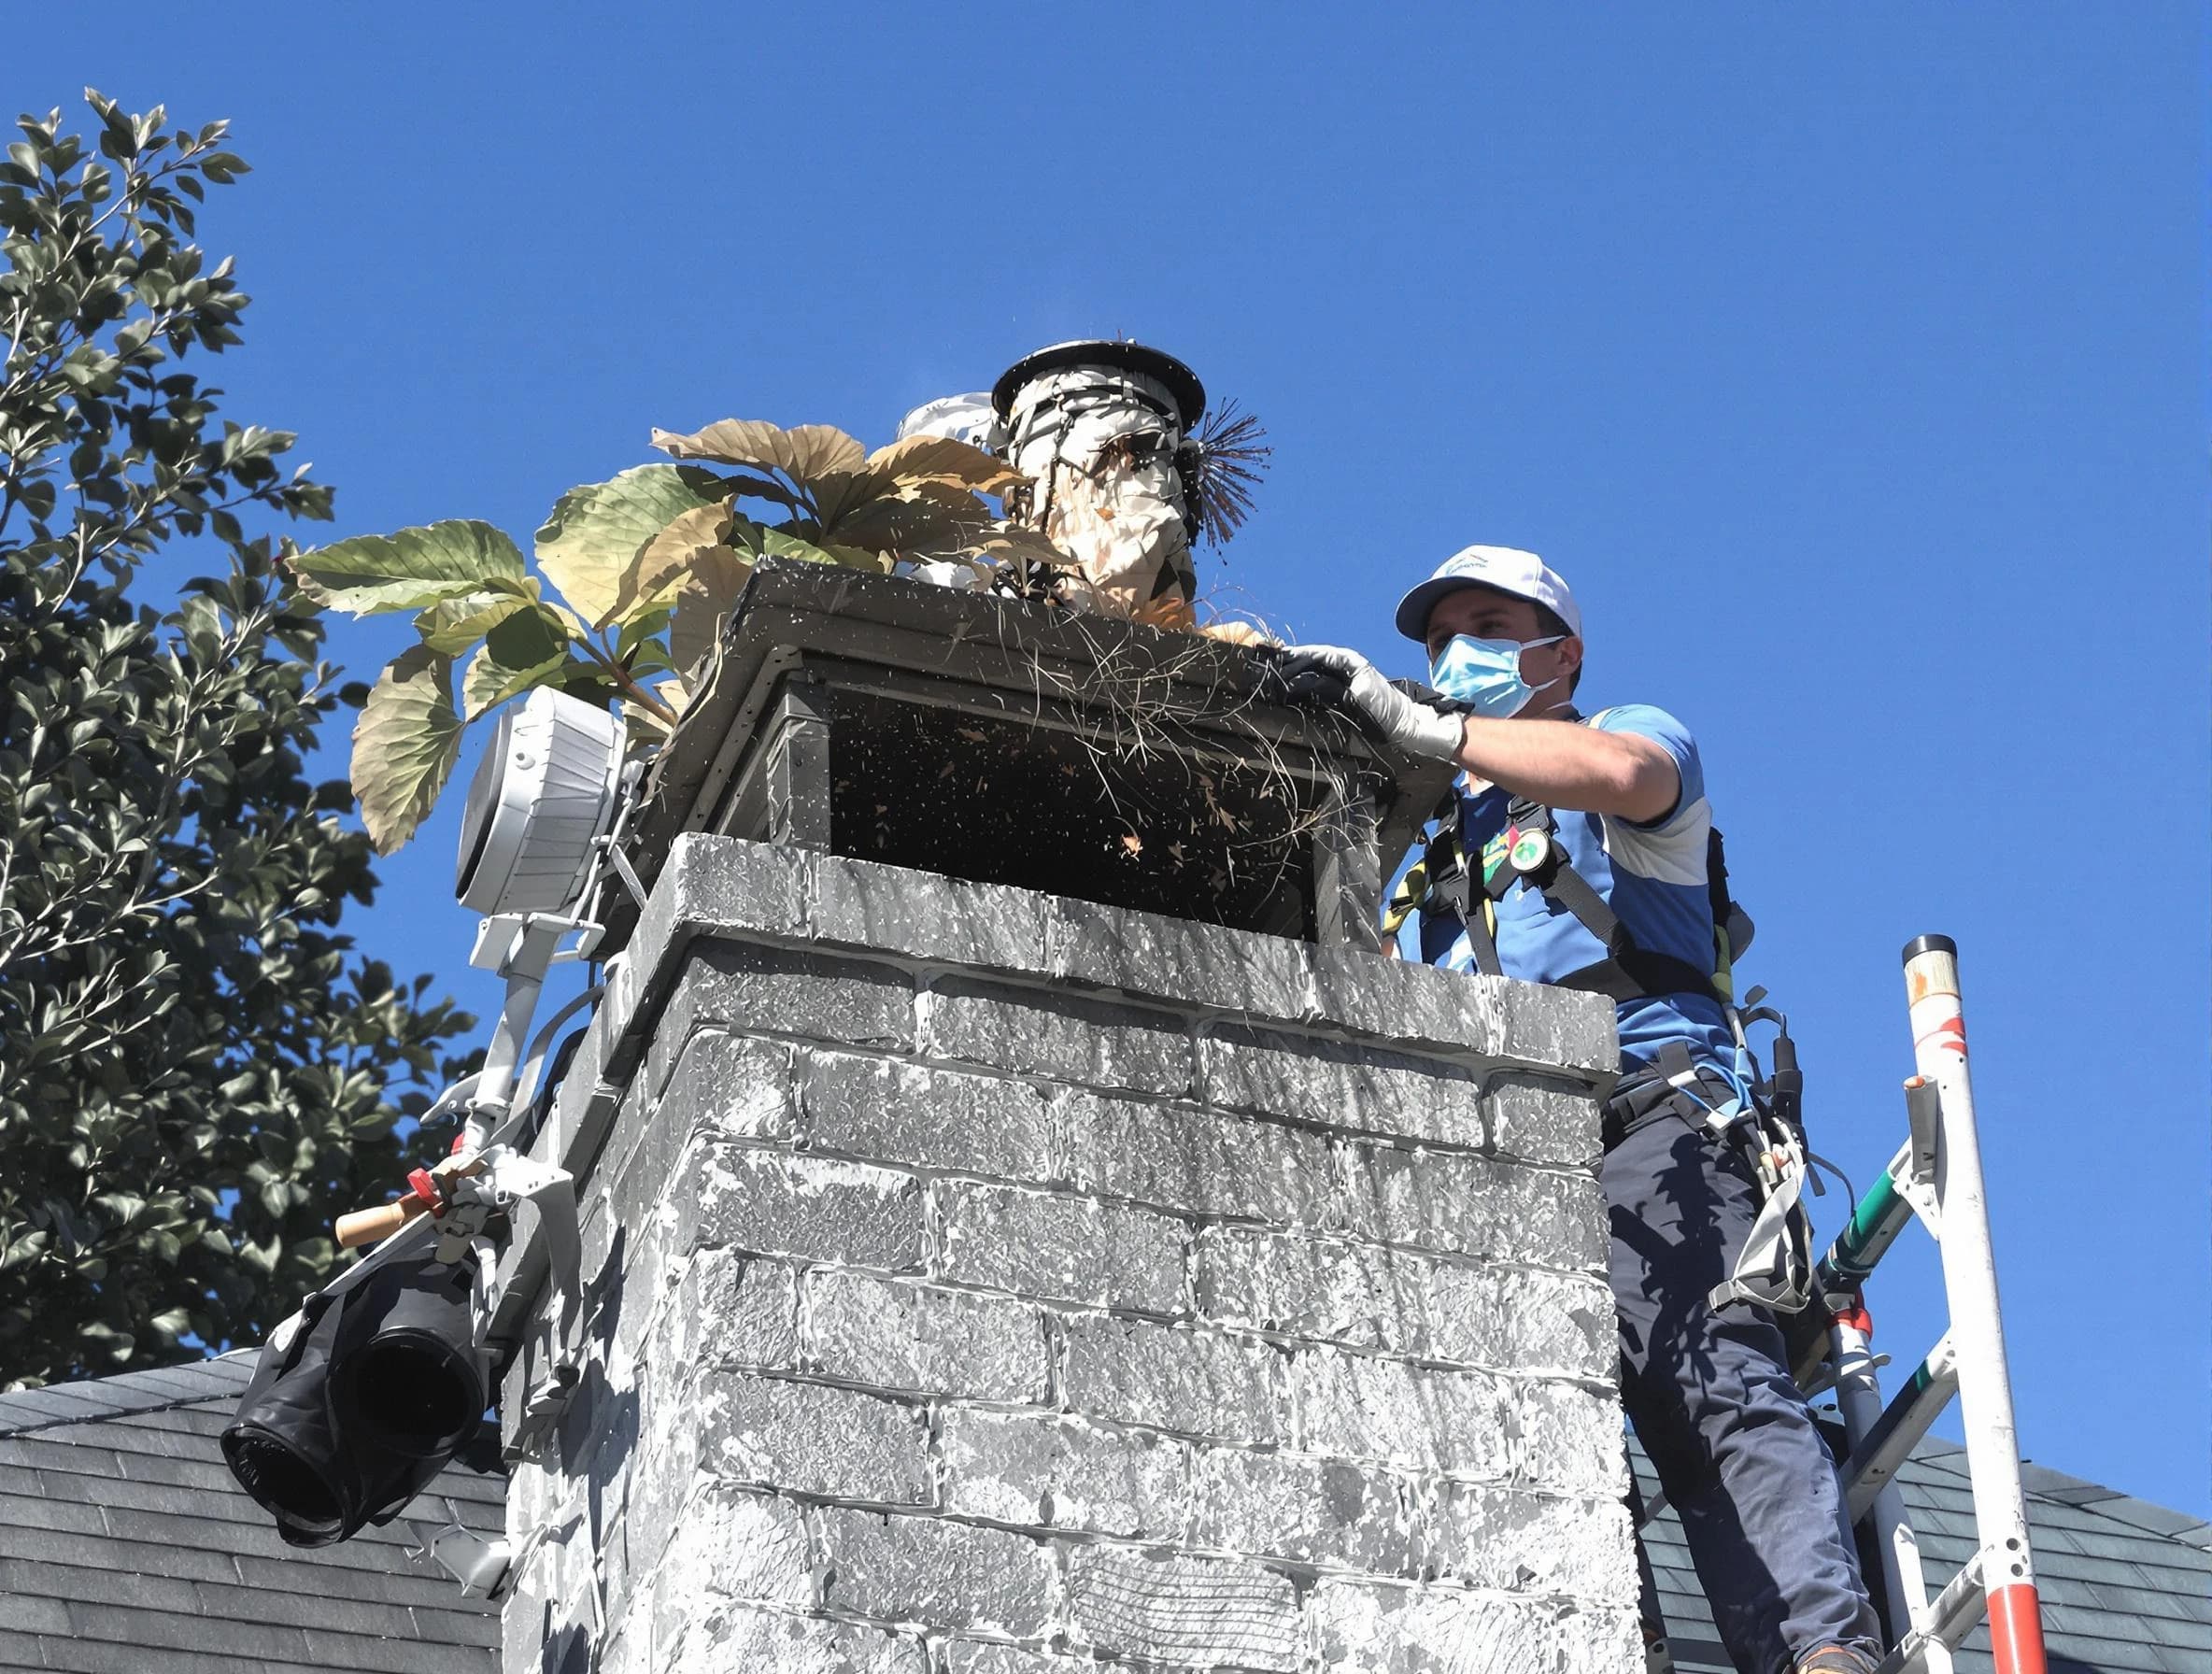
[(1488, 611)]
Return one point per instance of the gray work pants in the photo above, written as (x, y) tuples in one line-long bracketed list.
[(1713, 1403)]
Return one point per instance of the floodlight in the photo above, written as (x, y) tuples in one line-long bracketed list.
[(544, 793)]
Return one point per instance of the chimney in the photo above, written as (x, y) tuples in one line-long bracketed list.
[(1028, 1225)]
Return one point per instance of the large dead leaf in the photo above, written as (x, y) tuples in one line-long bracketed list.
[(943, 459), (595, 530), (661, 560), (709, 589), (935, 468), (405, 744), (802, 453), (1007, 542), (409, 570), (926, 519)]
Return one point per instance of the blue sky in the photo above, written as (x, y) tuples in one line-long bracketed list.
[(1850, 365)]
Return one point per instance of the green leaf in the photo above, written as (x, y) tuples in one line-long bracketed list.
[(409, 570), (405, 744), (520, 653), (453, 624), (781, 543), (595, 530)]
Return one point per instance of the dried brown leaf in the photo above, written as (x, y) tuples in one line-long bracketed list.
[(803, 453), (943, 459), (661, 561)]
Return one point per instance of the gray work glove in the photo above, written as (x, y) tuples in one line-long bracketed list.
[(1342, 679)]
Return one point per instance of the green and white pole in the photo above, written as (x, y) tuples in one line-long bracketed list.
[(1976, 1329)]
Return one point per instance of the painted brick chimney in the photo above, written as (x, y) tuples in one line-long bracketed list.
[(985, 1281)]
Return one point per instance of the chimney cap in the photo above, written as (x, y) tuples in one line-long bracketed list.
[(1182, 382)]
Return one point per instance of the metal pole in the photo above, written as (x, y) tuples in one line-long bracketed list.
[(1858, 1392), (1970, 1278)]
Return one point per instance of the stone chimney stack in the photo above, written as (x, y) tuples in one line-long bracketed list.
[(989, 1281)]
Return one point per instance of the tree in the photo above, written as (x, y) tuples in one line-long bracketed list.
[(196, 1070)]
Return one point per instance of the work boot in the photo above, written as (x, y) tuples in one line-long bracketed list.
[(1835, 1659)]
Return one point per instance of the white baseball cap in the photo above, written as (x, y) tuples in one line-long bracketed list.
[(1507, 569)]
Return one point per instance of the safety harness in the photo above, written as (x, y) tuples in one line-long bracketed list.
[(1756, 1115)]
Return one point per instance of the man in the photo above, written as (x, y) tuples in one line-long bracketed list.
[(1708, 1390)]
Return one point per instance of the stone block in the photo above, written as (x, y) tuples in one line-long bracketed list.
[(926, 915), (768, 990), (1363, 1089), (1460, 1013), (631, 1173), (1059, 1246), (1454, 1422), (813, 1207), (813, 1439), (736, 1637), (1567, 1437), (1538, 1119), (925, 1569), (1599, 1642), (707, 884), (1523, 1320), (728, 1544), (726, 1086), (1369, 1629), (730, 1310), (1474, 1206), (1515, 1319), (1196, 1162), (1033, 1031), (905, 1336), (661, 1480), (1416, 1005), (1188, 1611), (1062, 1473), (1515, 1542), (1172, 1378), (1323, 1512), (1329, 1289), (966, 1656), (889, 1111), (1147, 956)]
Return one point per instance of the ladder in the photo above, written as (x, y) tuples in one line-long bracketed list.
[(1936, 1177)]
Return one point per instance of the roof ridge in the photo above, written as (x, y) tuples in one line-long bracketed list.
[(151, 1389)]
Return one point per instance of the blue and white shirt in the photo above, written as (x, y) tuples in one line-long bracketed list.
[(1652, 873)]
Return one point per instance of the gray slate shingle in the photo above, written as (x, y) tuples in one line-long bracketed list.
[(126, 1548), (2126, 1585)]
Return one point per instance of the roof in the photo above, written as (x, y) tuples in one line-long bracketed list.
[(2126, 1585), (126, 1545)]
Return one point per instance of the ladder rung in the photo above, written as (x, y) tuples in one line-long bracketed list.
[(1900, 1428), (1954, 1614), (1876, 1220)]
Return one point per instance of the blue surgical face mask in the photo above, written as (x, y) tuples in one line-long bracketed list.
[(1485, 673)]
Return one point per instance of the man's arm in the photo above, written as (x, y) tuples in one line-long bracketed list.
[(1562, 764), (1557, 763)]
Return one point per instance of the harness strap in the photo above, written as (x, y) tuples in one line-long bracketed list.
[(1628, 972)]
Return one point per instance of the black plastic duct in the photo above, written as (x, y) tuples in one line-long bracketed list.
[(362, 1404)]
